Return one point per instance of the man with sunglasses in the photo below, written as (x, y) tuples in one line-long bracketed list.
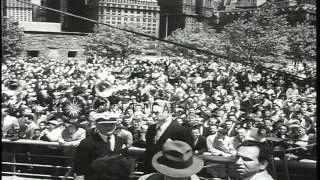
[(164, 128)]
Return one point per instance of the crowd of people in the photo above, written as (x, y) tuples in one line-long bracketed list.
[(223, 103)]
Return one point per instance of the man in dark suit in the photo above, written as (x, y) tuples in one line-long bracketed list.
[(199, 142), (164, 129), (229, 126), (100, 144), (204, 131)]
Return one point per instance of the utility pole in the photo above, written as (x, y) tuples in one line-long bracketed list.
[(166, 26)]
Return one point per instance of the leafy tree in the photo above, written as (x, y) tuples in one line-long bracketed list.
[(111, 42), (261, 37), (302, 43), (196, 37), (12, 39)]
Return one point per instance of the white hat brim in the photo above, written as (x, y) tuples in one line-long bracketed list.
[(177, 173)]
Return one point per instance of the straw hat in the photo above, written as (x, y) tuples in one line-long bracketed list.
[(177, 160)]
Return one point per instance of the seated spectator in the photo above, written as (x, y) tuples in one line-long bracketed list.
[(11, 134), (42, 126), (293, 91), (213, 133), (204, 131), (240, 138), (262, 133), (200, 142), (141, 139), (36, 135), (282, 132), (189, 120), (211, 121), (222, 145), (52, 133), (302, 138), (124, 134), (30, 125), (250, 130), (73, 134), (229, 126), (8, 122), (126, 122)]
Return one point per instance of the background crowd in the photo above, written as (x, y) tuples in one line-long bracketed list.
[(224, 103)]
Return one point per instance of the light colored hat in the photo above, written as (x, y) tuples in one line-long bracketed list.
[(54, 122), (177, 160), (107, 120)]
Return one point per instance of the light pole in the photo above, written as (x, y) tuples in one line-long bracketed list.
[(166, 25)]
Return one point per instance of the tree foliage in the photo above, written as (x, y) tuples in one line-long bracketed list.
[(264, 36), (302, 42), (12, 39), (261, 37), (111, 42), (196, 37)]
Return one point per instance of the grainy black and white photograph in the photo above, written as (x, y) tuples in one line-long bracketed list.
[(158, 90)]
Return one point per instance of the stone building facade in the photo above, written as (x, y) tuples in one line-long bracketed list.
[(141, 14), (62, 45), (176, 14)]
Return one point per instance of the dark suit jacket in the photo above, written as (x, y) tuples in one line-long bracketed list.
[(174, 132), (232, 132), (92, 148), (201, 145), (205, 131)]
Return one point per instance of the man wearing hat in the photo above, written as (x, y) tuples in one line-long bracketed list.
[(175, 161), (71, 136), (102, 143), (164, 129)]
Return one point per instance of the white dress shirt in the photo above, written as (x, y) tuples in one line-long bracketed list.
[(161, 128)]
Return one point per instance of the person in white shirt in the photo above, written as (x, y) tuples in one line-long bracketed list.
[(8, 122), (52, 133)]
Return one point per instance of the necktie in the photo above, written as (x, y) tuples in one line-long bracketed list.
[(108, 143), (158, 134)]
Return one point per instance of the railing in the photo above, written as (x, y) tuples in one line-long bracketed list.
[(13, 153), (11, 157)]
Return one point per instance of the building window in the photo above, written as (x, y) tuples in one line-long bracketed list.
[(72, 53), (32, 53)]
